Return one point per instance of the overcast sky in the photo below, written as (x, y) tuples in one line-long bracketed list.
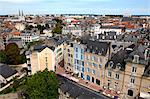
[(75, 6)]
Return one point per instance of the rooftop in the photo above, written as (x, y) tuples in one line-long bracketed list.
[(6, 71)]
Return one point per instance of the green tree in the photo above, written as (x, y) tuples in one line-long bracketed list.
[(3, 57), (46, 26), (42, 85), (58, 27), (13, 53), (41, 28), (29, 27)]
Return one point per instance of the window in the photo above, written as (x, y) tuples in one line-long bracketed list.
[(81, 57), (82, 69), (78, 68), (77, 61), (130, 92), (68, 50), (134, 69), (82, 51), (46, 59), (117, 76), (132, 80), (93, 79), (76, 55), (111, 64), (97, 81), (109, 73), (93, 57), (88, 70), (93, 72), (71, 55), (95, 65), (82, 75), (76, 49), (68, 55), (82, 63), (116, 85), (88, 78), (109, 82)]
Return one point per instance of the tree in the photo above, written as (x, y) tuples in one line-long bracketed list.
[(29, 27), (58, 27), (3, 57), (42, 85), (46, 26), (13, 53), (41, 28)]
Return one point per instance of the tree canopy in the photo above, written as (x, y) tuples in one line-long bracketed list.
[(41, 28), (3, 57), (11, 55), (42, 85), (58, 28)]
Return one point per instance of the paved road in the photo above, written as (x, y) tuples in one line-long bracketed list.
[(78, 91)]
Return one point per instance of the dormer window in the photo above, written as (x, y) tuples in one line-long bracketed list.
[(119, 66), (111, 64), (136, 59)]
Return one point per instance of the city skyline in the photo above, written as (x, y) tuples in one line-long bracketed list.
[(134, 7)]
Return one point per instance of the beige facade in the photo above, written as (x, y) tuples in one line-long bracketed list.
[(133, 79), (68, 58), (145, 87), (114, 79), (42, 60), (95, 67), (126, 76), (59, 52)]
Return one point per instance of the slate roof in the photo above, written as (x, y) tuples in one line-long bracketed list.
[(138, 50), (39, 48), (96, 46), (6, 71), (118, 58), (111, 27), (55, 41), (77, 91)]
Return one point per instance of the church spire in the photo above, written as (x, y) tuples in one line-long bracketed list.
[(22, 13), (19, 13)]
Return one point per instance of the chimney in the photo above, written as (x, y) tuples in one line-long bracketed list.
[(136, 58), (146, 54)]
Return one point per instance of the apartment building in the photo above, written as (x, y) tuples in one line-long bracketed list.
[(29, 37), (69, 57), (125, 72), (114, 71), (79, 50), (47, 55), (134, 78), (40, 58), (96, 56)]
